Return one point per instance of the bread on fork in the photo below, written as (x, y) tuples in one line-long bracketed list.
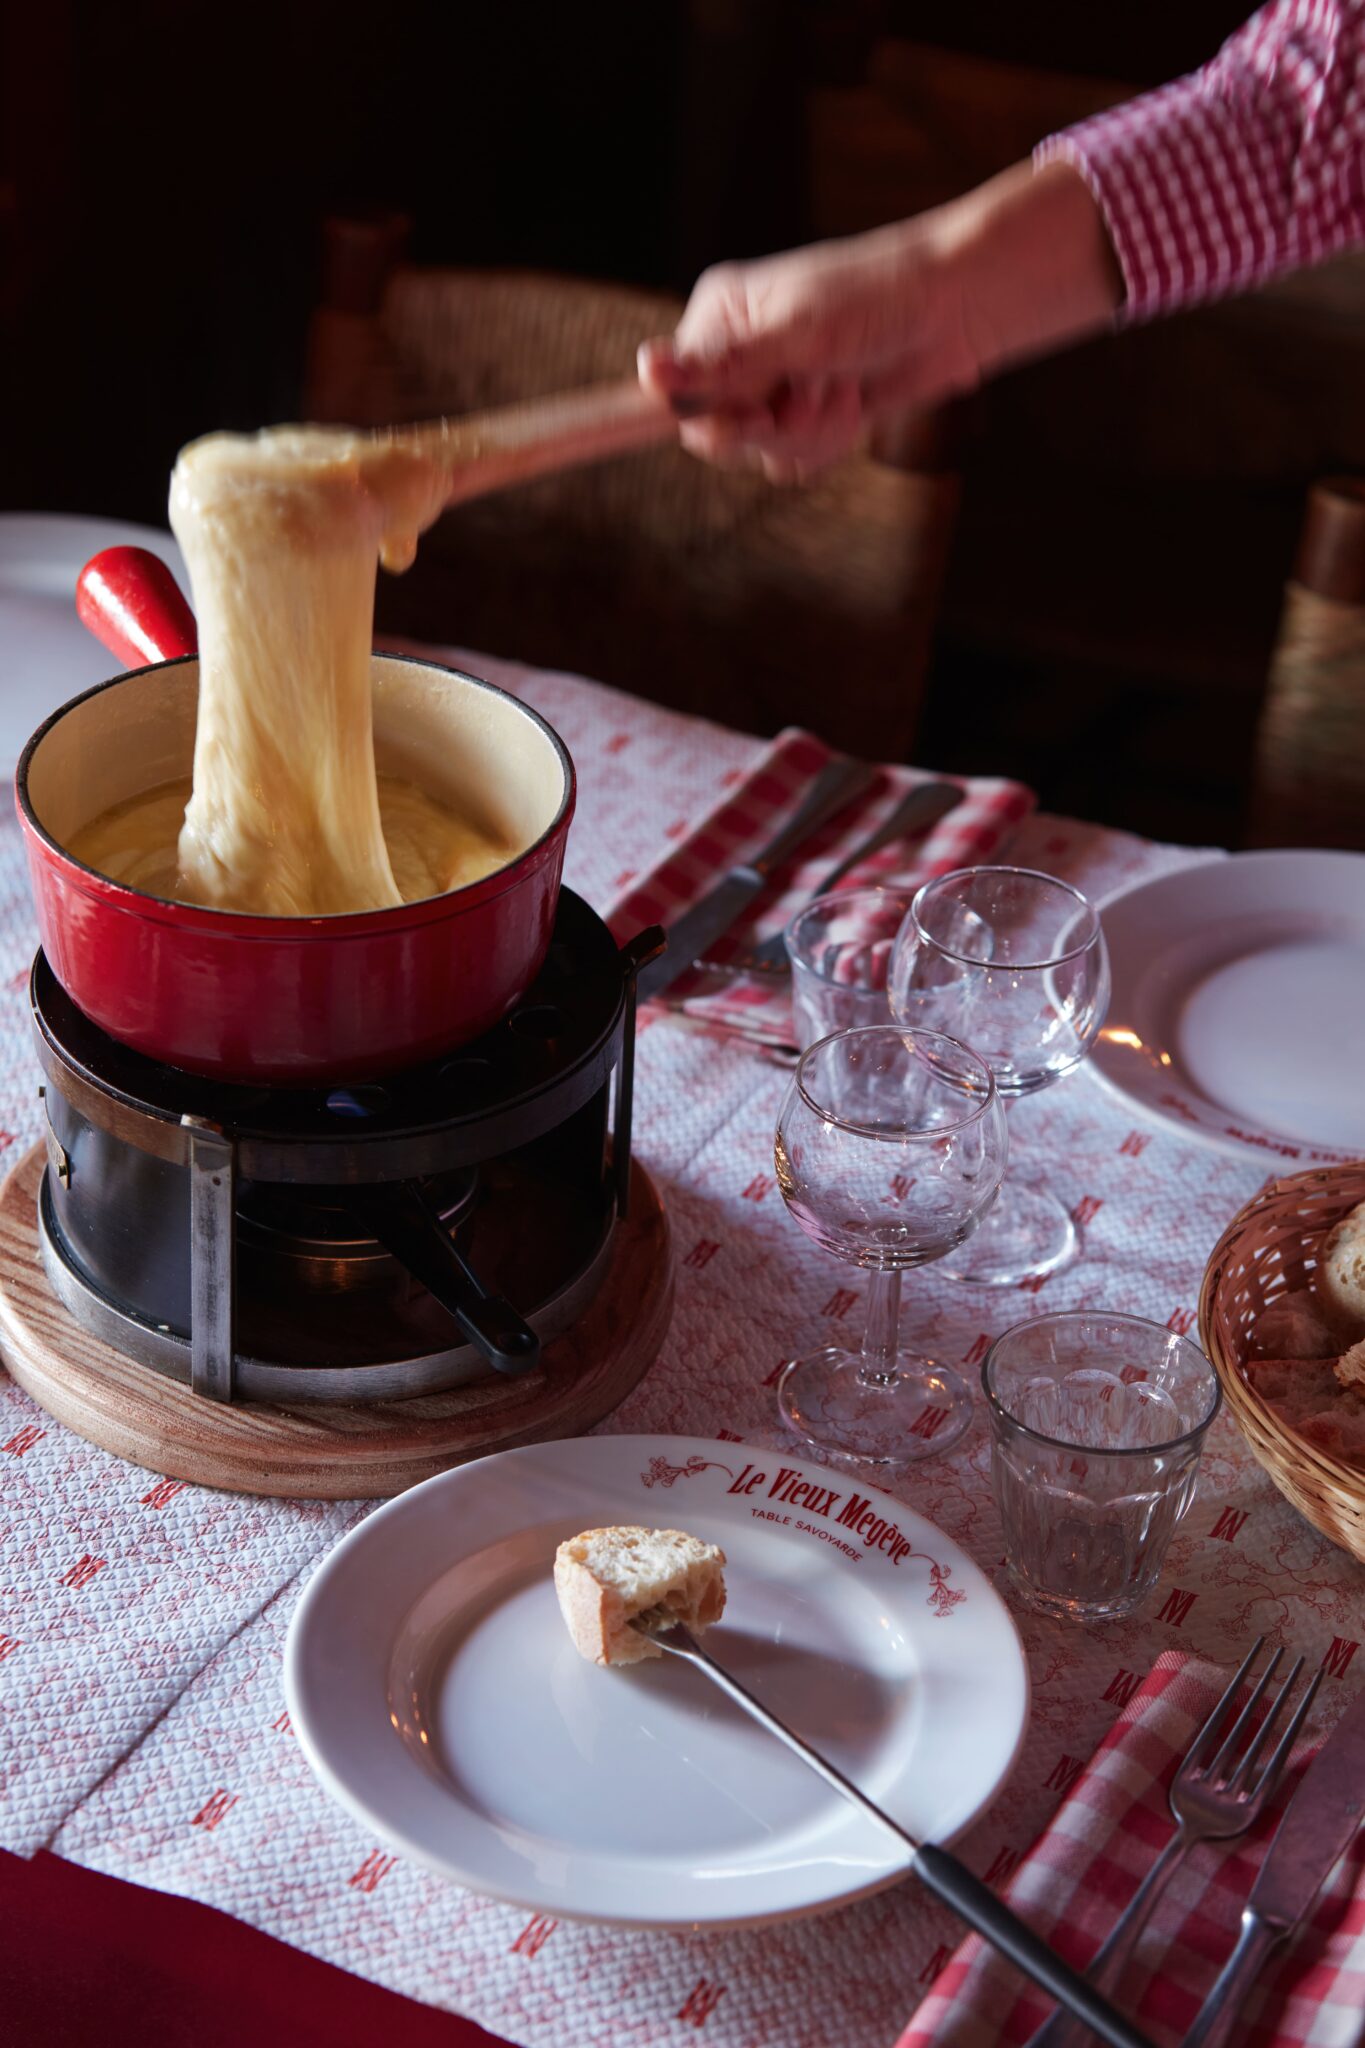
[(606, 1579)]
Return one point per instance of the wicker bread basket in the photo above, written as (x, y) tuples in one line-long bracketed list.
[(1271, 1248)]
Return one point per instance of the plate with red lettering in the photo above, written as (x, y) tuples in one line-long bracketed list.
[(1239, 987), (438, 1697)]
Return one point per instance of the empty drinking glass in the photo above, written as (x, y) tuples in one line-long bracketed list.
[(1013, 963), (890, 1148), (1097, 1423), (840, 950)]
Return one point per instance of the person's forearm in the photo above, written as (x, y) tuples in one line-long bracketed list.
[(1246, 169), (792, 358), (1035, 265)]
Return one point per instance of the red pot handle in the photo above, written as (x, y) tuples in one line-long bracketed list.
[(130, 601)]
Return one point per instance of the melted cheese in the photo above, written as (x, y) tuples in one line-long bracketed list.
[(282, 532), (429, 848)]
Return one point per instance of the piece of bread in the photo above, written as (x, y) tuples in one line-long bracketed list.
[(1350, 1367), (1293, 1327), (1307, 1396), (1341, 1279), (606, 1577)]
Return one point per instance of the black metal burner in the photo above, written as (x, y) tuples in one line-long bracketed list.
[(350, 1242)]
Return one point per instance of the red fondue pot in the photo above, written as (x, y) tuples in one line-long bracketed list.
[(287, 999)]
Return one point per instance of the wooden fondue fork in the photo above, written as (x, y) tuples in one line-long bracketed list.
[(510, 444), (129, 599)]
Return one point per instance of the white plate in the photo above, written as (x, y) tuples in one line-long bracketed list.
[(46, 655), (1239, 994), (438, 1697)]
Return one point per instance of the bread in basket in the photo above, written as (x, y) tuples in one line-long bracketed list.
[(1271, 1248)]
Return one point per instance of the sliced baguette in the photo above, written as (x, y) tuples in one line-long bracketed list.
[(606, 1577), (1306, 1395), (1342, 1278)]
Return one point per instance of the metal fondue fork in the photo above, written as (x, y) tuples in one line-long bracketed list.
[(939, 1872)]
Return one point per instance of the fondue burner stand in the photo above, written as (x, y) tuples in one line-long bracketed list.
[(351, 1244)]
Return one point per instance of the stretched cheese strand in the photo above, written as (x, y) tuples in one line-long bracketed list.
[(282, 532)]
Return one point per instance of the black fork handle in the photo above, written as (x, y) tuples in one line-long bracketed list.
[(977, 1904), (936, 1870)]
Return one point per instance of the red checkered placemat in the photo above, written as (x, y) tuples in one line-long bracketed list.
[(1088, 1862), (753, 808)]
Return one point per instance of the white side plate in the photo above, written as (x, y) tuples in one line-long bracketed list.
[(1238, 1012), (438, 1697)]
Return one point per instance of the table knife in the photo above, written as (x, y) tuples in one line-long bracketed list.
[(1316, 1830), (917, 810), (837, 784)]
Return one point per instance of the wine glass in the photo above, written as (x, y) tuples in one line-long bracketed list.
[(890, 1147), (1014, 963)]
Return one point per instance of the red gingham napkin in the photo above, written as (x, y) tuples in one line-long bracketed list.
[(1087, 1864), (754, 808)]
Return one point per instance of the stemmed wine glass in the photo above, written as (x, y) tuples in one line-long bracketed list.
[(1014, 963), (890, 1147)]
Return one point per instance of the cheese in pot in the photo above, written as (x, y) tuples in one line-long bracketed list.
[(283, 532), (430, 849)]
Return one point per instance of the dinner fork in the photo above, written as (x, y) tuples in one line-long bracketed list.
[(1218, 1793), (939, 1872)]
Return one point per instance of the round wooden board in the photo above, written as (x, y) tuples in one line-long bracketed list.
[(328, 1451)]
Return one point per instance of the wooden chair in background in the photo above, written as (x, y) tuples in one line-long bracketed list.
[(704, 589), (1308, 786)]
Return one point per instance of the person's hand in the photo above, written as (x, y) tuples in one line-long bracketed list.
[(788, 362), (794, 357)]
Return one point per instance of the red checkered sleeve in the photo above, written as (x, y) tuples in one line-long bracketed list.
[(1253, 166)]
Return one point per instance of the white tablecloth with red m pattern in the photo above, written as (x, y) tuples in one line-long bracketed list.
[(141, 1622)]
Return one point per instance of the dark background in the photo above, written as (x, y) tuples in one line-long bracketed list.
[(167, 167), (1129, 512)]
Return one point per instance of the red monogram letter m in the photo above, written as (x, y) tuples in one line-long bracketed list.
[(1178, 1605), (82, 1571), (214, 1807), (1338, 1658), (162, 1494), (1121, 1687), (1064, 1773), (700, 2002), (534, 1935), (371, 1870)]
